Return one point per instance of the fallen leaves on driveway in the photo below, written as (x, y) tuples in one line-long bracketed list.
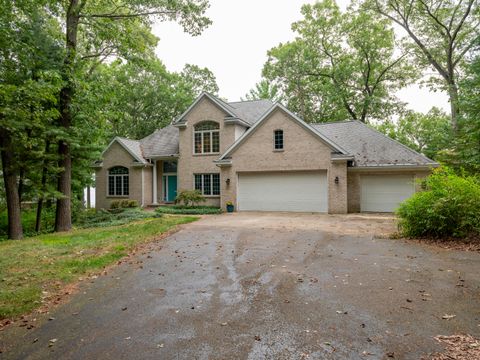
[(458, 347)]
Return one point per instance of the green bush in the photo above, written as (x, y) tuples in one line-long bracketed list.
[(449, 206), (123, 204), (101, 218), (29, 217), (189, 197), (188, 210)]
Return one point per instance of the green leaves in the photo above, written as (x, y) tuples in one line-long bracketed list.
[(341, 65)]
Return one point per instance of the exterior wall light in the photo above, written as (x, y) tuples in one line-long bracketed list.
[(336, 180), (228, 181)]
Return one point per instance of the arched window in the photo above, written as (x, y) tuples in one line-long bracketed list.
[(118, 181), (206, 138)]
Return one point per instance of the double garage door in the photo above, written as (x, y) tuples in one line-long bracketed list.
[(308, 192), (286, 191)]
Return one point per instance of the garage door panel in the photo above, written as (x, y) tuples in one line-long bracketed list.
[(283, 192), (384, 193)]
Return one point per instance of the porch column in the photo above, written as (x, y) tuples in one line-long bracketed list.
[(154, 186)]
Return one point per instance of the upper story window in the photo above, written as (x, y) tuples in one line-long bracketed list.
[(278, 139), (118, 181), (207, 138)]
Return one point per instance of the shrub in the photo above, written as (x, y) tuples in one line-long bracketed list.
[(123, 204), (101, 218), (188, 210), (449, 206), (190, 197)]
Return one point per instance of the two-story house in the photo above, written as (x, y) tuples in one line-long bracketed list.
[(260, 156)]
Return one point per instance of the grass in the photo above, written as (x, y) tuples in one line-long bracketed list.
[(188, 210), (42, 265)]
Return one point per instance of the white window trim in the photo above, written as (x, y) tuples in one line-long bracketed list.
[(211, 184), (211, 139)]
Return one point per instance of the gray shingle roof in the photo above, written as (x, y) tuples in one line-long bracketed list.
[(369, 146), (250, 111), (134, 147), (163, 142)]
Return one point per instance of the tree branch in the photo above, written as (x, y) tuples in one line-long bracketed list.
[(114, 16)]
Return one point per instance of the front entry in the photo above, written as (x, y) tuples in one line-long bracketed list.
[(169, 188)]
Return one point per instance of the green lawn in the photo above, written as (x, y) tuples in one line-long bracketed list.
[(48, 262)]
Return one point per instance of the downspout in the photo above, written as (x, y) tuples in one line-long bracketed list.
[(154, 185), (143, 197)]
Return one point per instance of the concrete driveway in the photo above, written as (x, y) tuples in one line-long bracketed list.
[(266, 286)]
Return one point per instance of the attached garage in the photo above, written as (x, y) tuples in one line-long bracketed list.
[(283, 191), (383, 193)]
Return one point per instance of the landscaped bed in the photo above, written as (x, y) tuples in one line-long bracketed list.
[(37, 268), (188, 210)]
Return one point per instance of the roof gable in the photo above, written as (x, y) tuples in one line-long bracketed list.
[(182, 118), (293, 117), (131, 146)]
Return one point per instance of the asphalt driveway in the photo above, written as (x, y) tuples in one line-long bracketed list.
[(266, 286)]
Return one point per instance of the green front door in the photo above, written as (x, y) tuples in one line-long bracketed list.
[(171, 187)]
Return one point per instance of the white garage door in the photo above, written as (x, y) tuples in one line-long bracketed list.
[(302, 191), (383, 193)]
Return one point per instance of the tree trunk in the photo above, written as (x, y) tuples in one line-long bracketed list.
[(15, 230), (63, 216), (454, 105), (38, 220)]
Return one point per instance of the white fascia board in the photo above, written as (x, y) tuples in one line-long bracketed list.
[(179, 120), (119, 140)]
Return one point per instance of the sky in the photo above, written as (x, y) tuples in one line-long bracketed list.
[(235, 46)]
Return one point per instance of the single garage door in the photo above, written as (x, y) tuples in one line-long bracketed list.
[(383, 193), (296, 191)]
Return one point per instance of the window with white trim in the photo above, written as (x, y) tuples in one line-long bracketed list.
[(206, 138), (208, 184), (118, 181), (278, 139)]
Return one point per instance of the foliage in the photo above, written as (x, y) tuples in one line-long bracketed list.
[(429, 134), (467, 154), (450, 206), (28, 222), (441, 33), (264, 90), (123, 204), (198, 80), (190, 197), (103, 218), (188, 210), (341, 65), (41, 264), (138, 97)]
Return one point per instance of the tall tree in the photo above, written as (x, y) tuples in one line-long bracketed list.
[(468, 139), (113, 28), (199, 79), (140, 96), (350, 59), (443, 32), (264, 90), (428, 133), (29, 53)]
